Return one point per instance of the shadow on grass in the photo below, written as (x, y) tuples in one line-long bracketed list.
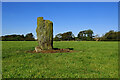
[(63, 49)]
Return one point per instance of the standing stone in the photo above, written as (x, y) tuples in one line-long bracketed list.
[(44, 32)]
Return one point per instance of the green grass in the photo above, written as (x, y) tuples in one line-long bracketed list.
[(92, 60)]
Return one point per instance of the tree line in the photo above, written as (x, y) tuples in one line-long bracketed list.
[(14, 37), (110, 36), (85, 35)]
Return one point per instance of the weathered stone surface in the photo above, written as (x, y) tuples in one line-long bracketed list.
[(44, 33)]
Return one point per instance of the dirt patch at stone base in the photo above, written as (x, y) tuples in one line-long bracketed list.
[(55, 50)]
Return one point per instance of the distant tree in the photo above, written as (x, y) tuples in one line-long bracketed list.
[(77, 39), (29, 37), (58, 37), (80, 35), (67, 36), (89, 33), (14, 37), (85, 35), (111, 36), (22, 37)]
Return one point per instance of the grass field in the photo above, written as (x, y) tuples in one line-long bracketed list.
[(91, 60)]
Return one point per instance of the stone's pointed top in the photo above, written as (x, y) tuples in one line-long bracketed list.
[(39, 18)]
